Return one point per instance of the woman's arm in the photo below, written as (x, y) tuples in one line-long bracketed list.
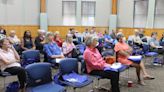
[(5, 61), (22, 45), (33, 44), (15, 53), (124, 53)]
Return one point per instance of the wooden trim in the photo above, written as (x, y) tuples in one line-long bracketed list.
[(64, 30), (114, 7), (42, 6)]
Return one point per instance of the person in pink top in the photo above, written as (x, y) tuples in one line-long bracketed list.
[(123, 51), (68, 46), (95, 63)]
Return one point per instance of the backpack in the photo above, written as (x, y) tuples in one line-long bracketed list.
[(12, 87)]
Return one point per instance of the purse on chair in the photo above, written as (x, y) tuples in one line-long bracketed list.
[(110, 59)]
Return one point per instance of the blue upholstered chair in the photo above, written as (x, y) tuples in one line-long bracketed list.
[(69, 65), (29, 57), (39, 79)]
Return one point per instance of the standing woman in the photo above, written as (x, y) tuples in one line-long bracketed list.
[(9, 59), (27, 42)]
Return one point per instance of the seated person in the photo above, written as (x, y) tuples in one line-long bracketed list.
[(162, 40), (95, 63), (27, 42), (136, 39), (109, 41), (68, 46), (39, 40), (9, 59), (52, 49), (57, 39), (14, 40), (86, 33), (154, 44), (75, 39), (123, 51), (142, 36), (2, 31)]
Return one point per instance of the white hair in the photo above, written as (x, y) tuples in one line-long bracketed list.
[(89, 40), (41, 31)]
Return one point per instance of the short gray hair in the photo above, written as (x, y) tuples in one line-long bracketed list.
[(47, 36), (89, 40)]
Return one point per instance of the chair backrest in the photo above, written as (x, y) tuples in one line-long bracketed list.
[(107, 53), (81, 48), (38, 73), (30, 56), (68, 65), (145, 48)]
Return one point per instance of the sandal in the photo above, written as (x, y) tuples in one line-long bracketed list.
[(149, 78), (141, 83)]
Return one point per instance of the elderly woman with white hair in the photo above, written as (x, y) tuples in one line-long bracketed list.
[(95, 63), (15, 41), (52, 50), (39, 40)]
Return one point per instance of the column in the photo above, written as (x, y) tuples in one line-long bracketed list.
[(43, 16)]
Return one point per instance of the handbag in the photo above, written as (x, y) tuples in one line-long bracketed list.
[(110, 59), (75, 53)]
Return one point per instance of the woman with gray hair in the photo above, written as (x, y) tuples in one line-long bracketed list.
[(51, 49), (95, 63)]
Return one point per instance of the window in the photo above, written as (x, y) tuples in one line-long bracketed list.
[(159, 14), (88, 13), (140, 13), (69, 12)]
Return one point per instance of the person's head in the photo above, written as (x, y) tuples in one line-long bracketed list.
[(136, 31), (120, 38), (49, 37), (91, 41), (5, 43), (163, 35), (106, 32), (69, 38), (154, 35), (27, 34), (12, 33), (56, 35), (86, 29), (41, 32), (94, 28), (114, 31), (141, 31)]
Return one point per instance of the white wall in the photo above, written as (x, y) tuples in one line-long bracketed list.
[(125, 13), (19, 12), (26, 12)]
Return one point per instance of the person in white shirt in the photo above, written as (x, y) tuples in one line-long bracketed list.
[(9, 60), (13, 38), (15, 41), (93, 32), (136, 39)]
